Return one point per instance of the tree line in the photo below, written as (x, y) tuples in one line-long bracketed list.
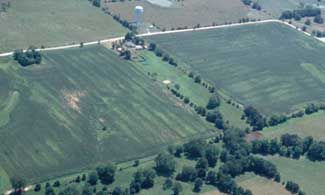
[(308, 11), (291, 146), (255, 119)]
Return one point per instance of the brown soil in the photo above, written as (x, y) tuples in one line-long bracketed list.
[(253, 136), (73, 99)]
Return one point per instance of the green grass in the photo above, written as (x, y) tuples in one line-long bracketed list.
[(315, 72), (4, 181), (54, 23), (124, 176), (309, 175), (260, 185), (7, 108), (309, 125), (161, 71), (255, 64), (56, 126)]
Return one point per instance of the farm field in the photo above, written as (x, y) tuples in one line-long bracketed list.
[(309, 175), (261, 185), (54, 23), (84, 107), (309, 125), (251, 63), (161, 71), (185, 13)]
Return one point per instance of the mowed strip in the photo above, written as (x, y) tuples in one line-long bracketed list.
[(82, 107), (258, 64)]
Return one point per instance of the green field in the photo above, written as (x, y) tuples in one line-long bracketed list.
[(161, 71), (54, 23), (81, 107), (261, 185), (309, 125), (309, 175), (255, 64)]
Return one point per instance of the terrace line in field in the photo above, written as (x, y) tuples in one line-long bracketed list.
[(82, 107), (263, 65)]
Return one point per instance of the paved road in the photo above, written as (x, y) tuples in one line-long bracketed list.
[(69, 46), (169, 32)]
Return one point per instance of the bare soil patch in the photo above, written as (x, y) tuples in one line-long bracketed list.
[(73, 99), (253, 136)]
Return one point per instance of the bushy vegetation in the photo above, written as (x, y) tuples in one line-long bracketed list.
[(255, 118), (291, 145), (301, 13), (29, 57)]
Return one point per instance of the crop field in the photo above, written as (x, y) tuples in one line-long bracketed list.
[(310, 125), (254, 64), (81, 107), (261, 185), (54, 23), (186, 13), (309, 175)]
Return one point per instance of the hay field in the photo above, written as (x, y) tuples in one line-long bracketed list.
[(261, 185), (309, 125), (309, 175)]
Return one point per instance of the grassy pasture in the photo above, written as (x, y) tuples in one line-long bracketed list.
[(260, 185), (160, 71), (259, 64), (4, 181), (124, 177), (82, 107), (309, 125), (309, 175), (185, 13), (53, 23)]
